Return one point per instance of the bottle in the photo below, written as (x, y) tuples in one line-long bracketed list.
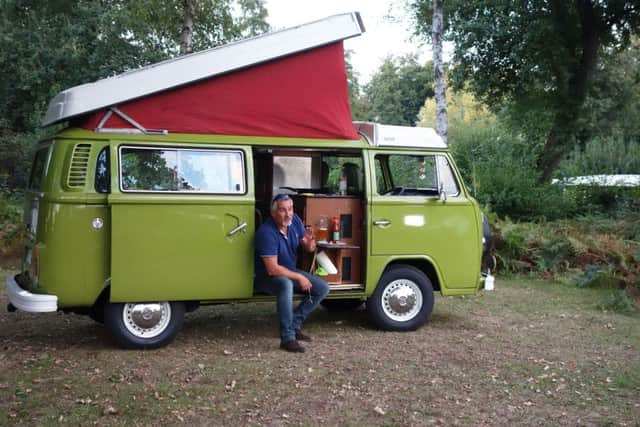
[(342, 186), (335, 227)]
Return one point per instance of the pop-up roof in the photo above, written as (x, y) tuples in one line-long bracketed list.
[(289, 83)]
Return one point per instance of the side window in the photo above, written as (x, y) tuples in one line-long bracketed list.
[(102, 181), (447, 177), (381, 183), (411, 175), (344, 167), (39, 168), (181, 170)]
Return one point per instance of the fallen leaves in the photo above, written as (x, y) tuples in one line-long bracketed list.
[(378, 410)]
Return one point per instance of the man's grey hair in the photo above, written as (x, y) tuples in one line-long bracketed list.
[(279, 198)]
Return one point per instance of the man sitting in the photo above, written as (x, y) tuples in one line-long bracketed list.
[(277, 242)]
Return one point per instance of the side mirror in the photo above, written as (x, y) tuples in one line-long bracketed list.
[(442, 194)]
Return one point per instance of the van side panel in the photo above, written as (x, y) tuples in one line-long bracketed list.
[(73, 255)]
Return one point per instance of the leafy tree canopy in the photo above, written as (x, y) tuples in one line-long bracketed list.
[(538, 54), (398, 89), (46, 47), (357, 100), (462, 108)]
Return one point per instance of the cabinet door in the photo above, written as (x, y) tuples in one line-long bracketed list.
[(349, 212)]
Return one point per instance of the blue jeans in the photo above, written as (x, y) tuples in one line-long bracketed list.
[(283, 288)]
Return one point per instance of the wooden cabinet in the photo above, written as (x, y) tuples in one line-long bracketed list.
[(347, 257)]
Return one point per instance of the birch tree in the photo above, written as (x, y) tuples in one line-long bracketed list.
[(438, 68), (186, 37), (536, 57)]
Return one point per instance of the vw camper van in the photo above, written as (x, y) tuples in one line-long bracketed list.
[(145, 205)]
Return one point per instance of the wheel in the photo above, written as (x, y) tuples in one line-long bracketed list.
[(403, 299), (337, 305), (96, 314), (144, 325)]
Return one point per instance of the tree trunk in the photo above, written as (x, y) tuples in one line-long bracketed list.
[(186, 37), (561, 137), (440, 84)]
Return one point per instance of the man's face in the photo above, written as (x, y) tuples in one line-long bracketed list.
[(283, 213)]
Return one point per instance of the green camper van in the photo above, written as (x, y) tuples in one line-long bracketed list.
[(145, 205)]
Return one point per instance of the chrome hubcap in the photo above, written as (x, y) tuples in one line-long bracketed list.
[(402, 300), (146, 320)]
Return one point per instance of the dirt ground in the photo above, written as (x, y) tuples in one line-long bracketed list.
[(529, 353)]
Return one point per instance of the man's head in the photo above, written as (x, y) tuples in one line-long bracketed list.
[(282, 210)]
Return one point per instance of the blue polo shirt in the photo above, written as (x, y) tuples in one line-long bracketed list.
[(271, 242)]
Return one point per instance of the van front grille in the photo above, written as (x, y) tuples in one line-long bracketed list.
[(79, 165)]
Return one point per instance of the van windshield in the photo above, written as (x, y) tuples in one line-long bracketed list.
[(39, 168)]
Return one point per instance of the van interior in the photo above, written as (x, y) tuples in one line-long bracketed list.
[(313, 180)]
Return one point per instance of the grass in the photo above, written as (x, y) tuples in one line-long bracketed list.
[(531, 352)]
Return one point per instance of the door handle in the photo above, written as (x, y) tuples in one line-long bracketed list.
[(382, 223), (237, 229)]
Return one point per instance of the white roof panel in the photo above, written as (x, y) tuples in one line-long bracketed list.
[(201, 65), (380, 135)]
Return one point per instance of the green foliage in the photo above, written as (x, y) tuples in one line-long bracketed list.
[(597, 276), (10, 206), (46, 47), (535, 55), (398, 89), (157, 24), (357, 100), (500, 168), (603, 155), (462, 109), (595, 251), (619, 302), (49, 46), (609, 156), (10, 220), (612, 106)]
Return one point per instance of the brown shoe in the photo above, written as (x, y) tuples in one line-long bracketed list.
[(293, 346), (301, 336)]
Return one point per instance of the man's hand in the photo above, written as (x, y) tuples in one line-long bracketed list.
[(274, 269), (308, 241), (305, 284)]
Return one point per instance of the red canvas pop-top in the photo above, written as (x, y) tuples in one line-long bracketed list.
[(290, 83), (303, 95)]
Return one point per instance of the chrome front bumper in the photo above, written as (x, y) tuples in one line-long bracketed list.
[(27, 301)]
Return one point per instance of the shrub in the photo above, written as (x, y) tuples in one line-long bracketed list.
[(500, 167), (16, 154), (595, 247), (618, 301), (602, 156)]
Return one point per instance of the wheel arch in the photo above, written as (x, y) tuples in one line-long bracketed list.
[(425, 265)]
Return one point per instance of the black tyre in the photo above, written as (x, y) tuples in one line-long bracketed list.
[(339, 305), (403, 299), (488, 258), (96, 314), (144, 325)]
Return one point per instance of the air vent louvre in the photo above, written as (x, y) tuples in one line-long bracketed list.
[(79, 164)]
